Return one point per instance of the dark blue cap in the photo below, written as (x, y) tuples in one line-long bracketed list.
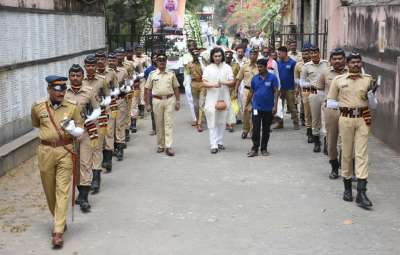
[(90, 59), (111, 55), (314, 47), (53, 79)]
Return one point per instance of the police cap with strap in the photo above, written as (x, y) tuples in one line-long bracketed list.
[(100, 54), (58, 83), (90, 59)]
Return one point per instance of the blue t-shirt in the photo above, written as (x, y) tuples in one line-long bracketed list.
[(286, 73), (148, 70), (263, 91)]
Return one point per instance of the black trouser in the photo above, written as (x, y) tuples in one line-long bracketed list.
[(262, 119)]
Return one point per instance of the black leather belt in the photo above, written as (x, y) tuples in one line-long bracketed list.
[(352, 112)]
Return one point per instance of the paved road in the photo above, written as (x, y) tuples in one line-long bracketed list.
[(198, 203)]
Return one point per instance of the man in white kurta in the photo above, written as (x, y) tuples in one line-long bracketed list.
[(217, 77)]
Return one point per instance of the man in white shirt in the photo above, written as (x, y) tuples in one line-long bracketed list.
[(210, 34), (257, 42)]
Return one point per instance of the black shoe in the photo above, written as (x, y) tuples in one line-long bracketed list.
[(264, 153), (309, 135), (317, 143), (221, 147), (303, 123), (127, 136), (107, 160), (238, 122), (141, 111), (244, 135), (214, 151), (348, 193), (84, 203), (325, 146), (335, 169), (96, 181), (133, 127), (120, 151), (361, 199), (79, 199), (252, 153)]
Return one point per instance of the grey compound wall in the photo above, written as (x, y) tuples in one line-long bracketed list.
[(32, 46)]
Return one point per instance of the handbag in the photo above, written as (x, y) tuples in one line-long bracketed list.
[(220, 105)]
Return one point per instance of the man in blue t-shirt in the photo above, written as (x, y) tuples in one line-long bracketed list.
[(264, 98), (286, 67)]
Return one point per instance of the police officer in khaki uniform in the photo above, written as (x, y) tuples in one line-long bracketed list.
[(59, 121), (112, 83), (104, 68), (297, 75), (337, 67), (85, 96), (245, 74), (312, 102), (120, 121), (293, 53), (195, 70), (141, 61), (349, 92), (165, 93), (235, 70), (102, 93)]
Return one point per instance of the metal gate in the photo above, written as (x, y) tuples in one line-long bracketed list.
[(289, 33)]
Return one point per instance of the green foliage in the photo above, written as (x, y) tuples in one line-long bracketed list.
[(192, 27)]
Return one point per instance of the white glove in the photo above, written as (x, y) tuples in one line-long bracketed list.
[(320, 92), (304, 83), (128, 89), (123, 89), (330, 103), (131, 82), (141, 75), (115, 92), (106, 101), (73, 130), (95, 114)]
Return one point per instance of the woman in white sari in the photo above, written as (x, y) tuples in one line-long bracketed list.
[(217, 78)]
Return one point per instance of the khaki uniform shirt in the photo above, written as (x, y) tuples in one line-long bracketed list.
[(141, 62), (122, 74), (246, 73), (110, 77), (325, 80), (351, 92), (235, 69), (86, 95), (99, 85), (129, 68), (297, 70), (296, 57), (66, 110), (195, 71), (162, 83), (311, 71)]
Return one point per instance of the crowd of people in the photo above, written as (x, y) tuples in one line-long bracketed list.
[(89, 115)]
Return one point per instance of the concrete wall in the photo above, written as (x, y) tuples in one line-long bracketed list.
[(363, 27), (38, 38)]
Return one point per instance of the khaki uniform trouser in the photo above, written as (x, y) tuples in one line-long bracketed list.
[(109, 140), (247, 123), (199, 99), (121, 123), (127, 122), (307, 110), (317, 102), (135, 105), (98, 151), (290, 96), (86, 156), (142, 83), (354, 133), (163, 114), (332, 131), (55, 165)]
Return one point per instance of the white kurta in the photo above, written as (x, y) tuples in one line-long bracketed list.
[(214, 73)]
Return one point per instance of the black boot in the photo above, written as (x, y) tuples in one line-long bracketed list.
[(96, 181), (80, 195), (309, 135), (107, 160), (303, 123), (119, 151), (133, 127), (325, 146), (361, 198), (84, 194), (141, 111), (335, 169), (317, 143), (127, 137), (348, 193)]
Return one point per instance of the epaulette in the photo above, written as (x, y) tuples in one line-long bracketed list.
[(72, 102)]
